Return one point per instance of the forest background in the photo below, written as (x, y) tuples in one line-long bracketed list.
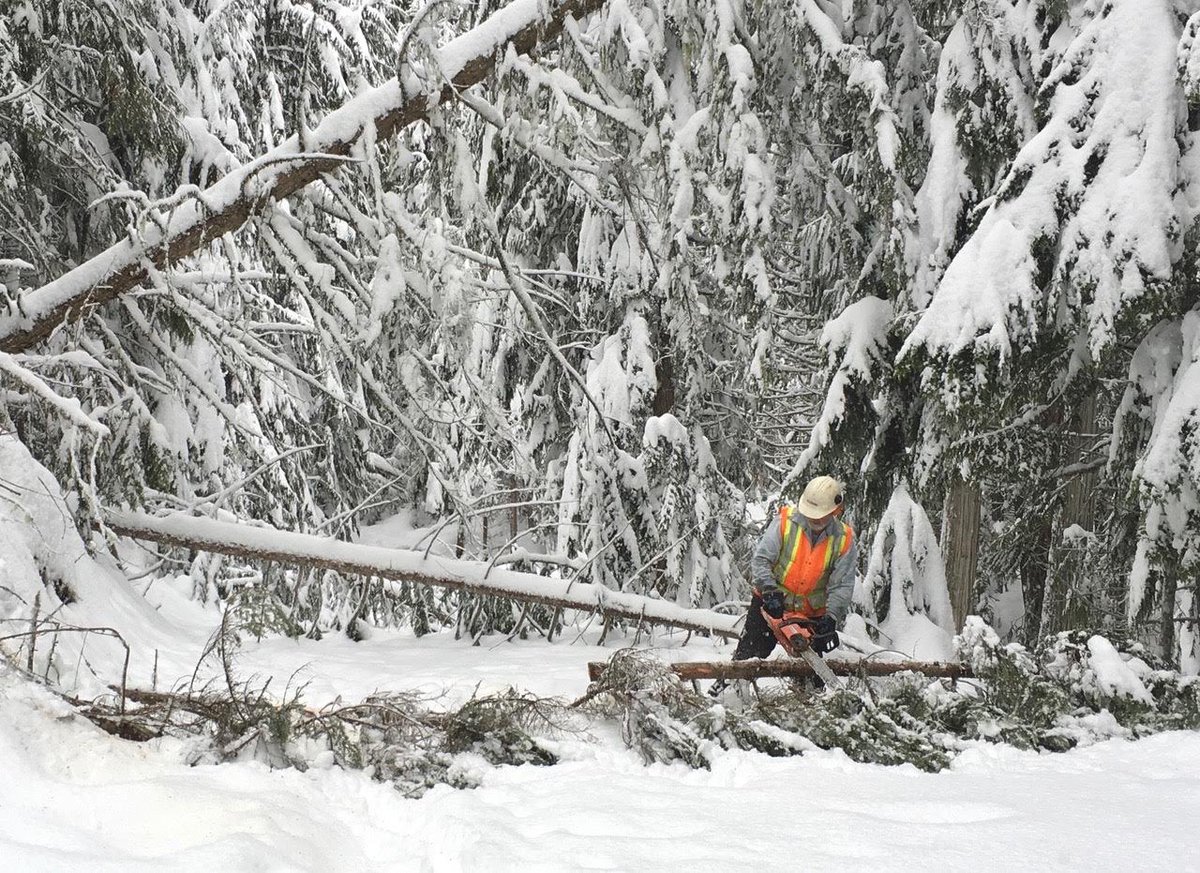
[(600, 312)]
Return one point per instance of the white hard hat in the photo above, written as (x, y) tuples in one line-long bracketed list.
[(821, 497)]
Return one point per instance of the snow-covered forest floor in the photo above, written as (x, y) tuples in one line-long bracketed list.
[(75, 798), (368, 368)]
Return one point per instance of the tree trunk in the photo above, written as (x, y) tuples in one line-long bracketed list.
[(474, 577), (960, 545), (1166, 623), (760, 669), (1080, 505), (1069, 566), (514, 498), (253, 188), (1034, 563), (664, 394), (1187, 621)]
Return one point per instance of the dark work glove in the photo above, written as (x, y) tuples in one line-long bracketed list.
[(825, 643), (825, 638), (772, 603)]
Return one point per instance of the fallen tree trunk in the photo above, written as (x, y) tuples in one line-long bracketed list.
[(759, 669), (396, 565), (523, 25)]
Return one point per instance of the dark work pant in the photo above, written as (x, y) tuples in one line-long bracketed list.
[(757, 640)]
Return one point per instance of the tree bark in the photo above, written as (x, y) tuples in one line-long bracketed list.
[(1067, 571), (228, 204), (1186, 642), (1034, 565), (760, 669), (960, 545), (1166, 618), (1080, 505), (268, 544)]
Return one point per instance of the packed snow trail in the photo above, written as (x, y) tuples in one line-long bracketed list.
[(75, 799)]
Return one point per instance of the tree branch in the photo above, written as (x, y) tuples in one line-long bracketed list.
[(249, 190)]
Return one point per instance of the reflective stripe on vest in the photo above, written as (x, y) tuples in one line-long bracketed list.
[(802, 569)]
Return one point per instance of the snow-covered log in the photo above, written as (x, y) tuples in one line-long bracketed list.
[(396, 565), (225, 206), (755, 668)]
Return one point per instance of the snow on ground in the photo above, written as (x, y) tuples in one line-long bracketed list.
[(73, 798), (438, 664), (391, 660), (1116, 806)]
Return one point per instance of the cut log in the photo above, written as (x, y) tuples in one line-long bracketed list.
[(522, 25), (759, 669), (398, 565)]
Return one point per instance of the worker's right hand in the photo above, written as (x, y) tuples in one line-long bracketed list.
[(773, 603)]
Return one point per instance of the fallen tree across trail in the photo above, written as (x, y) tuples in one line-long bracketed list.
[(755, 668), (522, 25), (400, 565)]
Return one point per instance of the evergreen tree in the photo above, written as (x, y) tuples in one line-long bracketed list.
[(1078, 249)]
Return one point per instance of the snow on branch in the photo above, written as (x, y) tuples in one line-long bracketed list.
[(855, 343), (1164, 392), (69, 407), (904, 591), (1088, 221), (270, 544), (204, 216), (863, 73)]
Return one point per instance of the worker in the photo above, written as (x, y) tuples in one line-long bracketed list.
[(803, 563)]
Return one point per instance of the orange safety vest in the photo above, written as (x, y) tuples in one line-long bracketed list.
[(802, 569)]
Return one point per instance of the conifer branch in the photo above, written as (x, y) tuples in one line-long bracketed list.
[(252, 189)]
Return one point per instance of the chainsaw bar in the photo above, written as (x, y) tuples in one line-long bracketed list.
[(831, 679)]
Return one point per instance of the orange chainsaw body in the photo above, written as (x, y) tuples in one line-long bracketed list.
[(794, 631)]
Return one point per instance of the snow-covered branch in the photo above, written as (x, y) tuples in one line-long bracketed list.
[(269, 544), (248, 190)]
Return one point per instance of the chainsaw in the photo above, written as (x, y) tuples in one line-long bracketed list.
[(795, 631)]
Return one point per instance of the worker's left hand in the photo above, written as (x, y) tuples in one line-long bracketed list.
[(825, 643), (825, 638)]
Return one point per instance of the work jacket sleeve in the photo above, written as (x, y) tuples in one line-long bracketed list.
[(840, 590), (766, 553)]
